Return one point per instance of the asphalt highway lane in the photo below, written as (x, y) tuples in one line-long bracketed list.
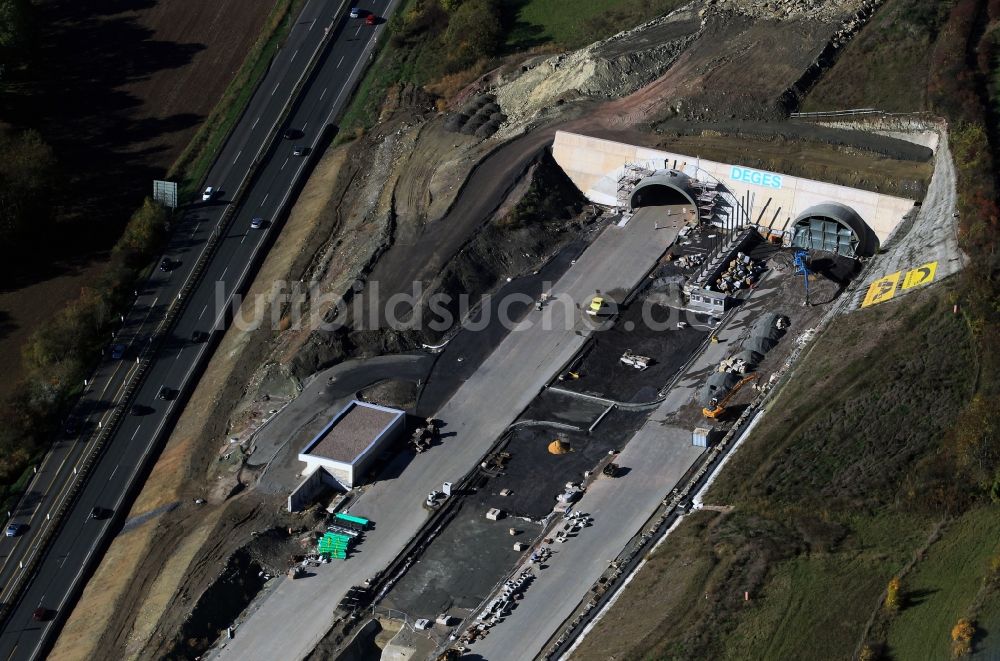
[(111, 483)]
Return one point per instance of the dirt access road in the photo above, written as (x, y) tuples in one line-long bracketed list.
[(118, 91)]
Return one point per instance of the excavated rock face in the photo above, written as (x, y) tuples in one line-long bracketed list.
[(823, 10), (709, 38), (608, 69)]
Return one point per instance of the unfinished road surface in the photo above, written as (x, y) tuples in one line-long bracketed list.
[(294, 616)]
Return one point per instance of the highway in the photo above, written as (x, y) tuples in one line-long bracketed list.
[(112, 481)]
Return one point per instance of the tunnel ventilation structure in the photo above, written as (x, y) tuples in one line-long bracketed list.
[(835, 228), (664, 187)]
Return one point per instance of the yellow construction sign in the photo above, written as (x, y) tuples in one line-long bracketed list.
[(882, 289), (920, 275)]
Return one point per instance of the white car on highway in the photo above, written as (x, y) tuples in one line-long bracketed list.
[(208, 194)]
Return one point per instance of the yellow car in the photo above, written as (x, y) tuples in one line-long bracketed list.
[(596, 306)]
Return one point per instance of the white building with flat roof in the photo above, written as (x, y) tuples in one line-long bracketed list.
[(346, 445)]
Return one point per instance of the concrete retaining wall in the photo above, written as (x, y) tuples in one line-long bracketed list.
[(312, 486), (775, 199)]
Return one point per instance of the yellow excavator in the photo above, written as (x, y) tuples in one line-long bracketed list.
[(718, 408)]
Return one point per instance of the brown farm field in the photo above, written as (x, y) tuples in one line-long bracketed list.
[(118, 90)]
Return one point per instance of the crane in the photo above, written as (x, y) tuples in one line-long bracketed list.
[(718, 408)]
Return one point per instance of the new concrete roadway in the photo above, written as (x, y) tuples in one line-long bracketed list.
[(81, 539), (292, 617), (657, 457)]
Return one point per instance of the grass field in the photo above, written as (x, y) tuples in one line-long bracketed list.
[(824, 515), (826, 596), (886, 65), (942, 586), (574, 23)]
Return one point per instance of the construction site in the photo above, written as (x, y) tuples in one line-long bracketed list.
[(527, 494), (484, 491)]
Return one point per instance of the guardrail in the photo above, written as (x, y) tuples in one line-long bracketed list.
[(855, 112), (30, 567)]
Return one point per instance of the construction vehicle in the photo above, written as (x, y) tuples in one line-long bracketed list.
[(716, 409), (434, 500), (423, 437), (635, 360)]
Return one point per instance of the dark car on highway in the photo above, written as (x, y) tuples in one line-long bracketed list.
[(166, 393), (117, 351), (15, 529), (166, 264), (199, 336), (41, 614)]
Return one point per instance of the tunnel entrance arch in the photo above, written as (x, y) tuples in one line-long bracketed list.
[(666, 187), (836, 228)]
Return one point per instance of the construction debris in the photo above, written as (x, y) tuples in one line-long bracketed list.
[(635, 360)]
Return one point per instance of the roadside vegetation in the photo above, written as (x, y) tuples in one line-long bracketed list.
[(60, 355)]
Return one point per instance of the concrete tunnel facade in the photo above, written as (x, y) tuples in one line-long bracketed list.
[(662, 188)]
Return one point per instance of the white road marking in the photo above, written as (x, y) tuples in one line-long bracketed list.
[(265, 199), (276, 88), (311, 24), (237, 156), (305, 125), (338, 65), (293, 56), (223, 273), (135, 432), (358, 32), (202, 312), (244, 238), (323, 94), (114, 471), (254, 124), (283, 165)]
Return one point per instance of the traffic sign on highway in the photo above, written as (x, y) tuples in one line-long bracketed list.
[(920, 275), (882, 289), (165, 192)]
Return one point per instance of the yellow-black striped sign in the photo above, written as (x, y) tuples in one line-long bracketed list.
[(920, 275), (882, 289)]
